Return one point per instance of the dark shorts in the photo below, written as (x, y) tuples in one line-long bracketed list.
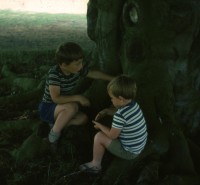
[(116, 149), (46, 112)]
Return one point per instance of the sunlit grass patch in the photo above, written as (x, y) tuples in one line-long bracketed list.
[(42, 31)]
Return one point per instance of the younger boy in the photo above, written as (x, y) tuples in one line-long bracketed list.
[(128, 134), (59, 107)]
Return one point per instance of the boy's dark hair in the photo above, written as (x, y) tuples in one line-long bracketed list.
[(68, 52), (124, 86)]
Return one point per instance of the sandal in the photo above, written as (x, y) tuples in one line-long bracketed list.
[(87, 169)]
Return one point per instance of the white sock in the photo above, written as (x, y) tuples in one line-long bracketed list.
[(53, 136)]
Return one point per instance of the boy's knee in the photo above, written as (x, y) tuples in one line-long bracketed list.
[(71, 108), (84, 119), (99, 136)]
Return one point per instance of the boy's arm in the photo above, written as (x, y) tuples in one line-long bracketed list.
[(99, 75), (59, 99), (112, 133), (108, 111)]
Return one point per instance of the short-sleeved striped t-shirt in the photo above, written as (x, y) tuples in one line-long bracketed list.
[(66, 82), (130, 120)]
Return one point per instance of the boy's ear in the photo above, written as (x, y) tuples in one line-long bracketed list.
[(121, 98), (61, 65)]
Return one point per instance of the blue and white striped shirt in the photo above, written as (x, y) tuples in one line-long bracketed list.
[(130, 120), (66, 82)]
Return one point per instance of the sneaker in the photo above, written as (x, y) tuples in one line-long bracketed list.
[(88, 169)]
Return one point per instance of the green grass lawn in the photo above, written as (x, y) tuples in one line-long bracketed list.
[(39, 33), (27, 42)]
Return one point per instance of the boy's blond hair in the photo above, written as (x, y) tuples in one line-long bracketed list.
[(124, 86)]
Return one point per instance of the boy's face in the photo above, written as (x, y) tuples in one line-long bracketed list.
[(117, 101), (74, 67)]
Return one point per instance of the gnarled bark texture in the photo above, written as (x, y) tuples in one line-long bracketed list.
[(155, 42)]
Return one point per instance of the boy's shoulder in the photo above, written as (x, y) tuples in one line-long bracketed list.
[(130, 106), (54, 69)]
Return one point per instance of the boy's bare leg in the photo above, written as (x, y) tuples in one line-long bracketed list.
[(101, 142), (65, 115), (79, 119)]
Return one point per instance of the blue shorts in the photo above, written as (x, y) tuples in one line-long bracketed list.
[(46, 112)]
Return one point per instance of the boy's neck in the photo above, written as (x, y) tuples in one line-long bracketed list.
[(64, 71), (126, 102)]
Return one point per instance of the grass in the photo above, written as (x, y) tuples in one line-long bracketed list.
[(27, 41), (39, 33)]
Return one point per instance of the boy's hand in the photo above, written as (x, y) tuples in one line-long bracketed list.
[(96, 125), (108, 111), (84, 101), (101, 114)]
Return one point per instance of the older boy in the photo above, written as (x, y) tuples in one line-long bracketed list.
[(128, 134), (58, 107)]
